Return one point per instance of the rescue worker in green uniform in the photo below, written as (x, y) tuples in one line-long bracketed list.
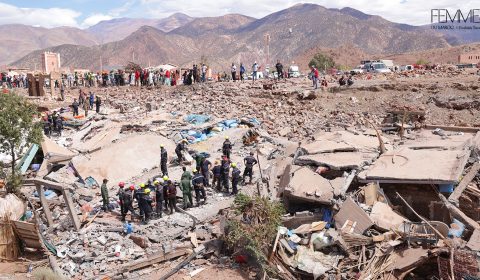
[(186, 186), (104, 192)]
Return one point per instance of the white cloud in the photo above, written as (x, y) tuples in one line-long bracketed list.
[(413, 12), (94, 19), (51, 17)]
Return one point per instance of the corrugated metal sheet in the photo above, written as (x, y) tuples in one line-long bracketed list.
[(26, 160)]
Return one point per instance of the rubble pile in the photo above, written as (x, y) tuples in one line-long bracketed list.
[(374, 179), (373, 227)]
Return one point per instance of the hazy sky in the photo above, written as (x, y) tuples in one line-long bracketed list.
[(84, 13)]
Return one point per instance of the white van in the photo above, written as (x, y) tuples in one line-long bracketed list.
[(377, 67), (293, 71)]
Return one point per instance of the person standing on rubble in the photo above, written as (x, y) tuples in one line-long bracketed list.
[(121, 195), (279, 68), (58, 124), (163, 160), (225, 171), (205, 170), (254, 71), (242, 71), (249, 162), (165, 191), (91, 100), (195, 73), (217, 174), (104, 193), (147, 205), (158, 198), (172, 196), (227, 147), (128, 203), (198, 160), (75, 107), (98, 103), (198, 182), (81, 97), (179, 149), (86, 107), (138, 194), (314, 75), (234, 72), (186, 186), (235, 178), (62, 92), (204, 73)]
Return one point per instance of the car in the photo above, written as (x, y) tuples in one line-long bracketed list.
[(407, 68), (357, 70), (377, 67), (293, 71)]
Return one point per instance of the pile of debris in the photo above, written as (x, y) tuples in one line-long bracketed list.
[(361, 213)]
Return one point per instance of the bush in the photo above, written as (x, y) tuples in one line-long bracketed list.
[(321, 61), (254, 232)]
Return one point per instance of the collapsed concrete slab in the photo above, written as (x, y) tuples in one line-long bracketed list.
[(351, 218), (425, 166), (342, 141), (385, 218), (52, 154), (306, 185), (338, 161), (102, 139), (124, 159), (424, 139)]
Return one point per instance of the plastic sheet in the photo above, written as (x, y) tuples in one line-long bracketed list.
[(197, 119)]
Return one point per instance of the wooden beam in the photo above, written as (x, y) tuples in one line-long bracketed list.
[(453, 198), (44, 202), (458, 214), (420, 217), (184, 262), (51, 258), (49, 184), (468, 129), (71, 209), (154, 259)]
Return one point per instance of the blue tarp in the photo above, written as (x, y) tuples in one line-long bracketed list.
[(194, 136), (197, 119)]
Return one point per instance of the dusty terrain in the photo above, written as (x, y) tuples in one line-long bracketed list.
[(122, 144)]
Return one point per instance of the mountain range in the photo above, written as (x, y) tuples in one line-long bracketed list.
[(184, 40)]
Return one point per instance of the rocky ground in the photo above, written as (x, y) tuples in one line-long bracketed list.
[(288, 113)]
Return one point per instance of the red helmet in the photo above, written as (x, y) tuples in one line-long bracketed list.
[(132, 187), (121, 184)]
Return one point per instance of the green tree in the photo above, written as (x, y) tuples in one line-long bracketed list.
[(18, 130), (322, 61), (422, 61)]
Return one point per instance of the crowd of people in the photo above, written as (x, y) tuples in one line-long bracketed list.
[(13, 80), (135, 77), (159, 195)]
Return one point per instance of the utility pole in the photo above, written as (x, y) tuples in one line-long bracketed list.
[(267, 44)]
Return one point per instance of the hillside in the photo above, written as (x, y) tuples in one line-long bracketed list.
[(19, 40), (14, 47), (235, 38), (119, 28)]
